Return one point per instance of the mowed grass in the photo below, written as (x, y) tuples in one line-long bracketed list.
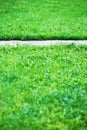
[(43, 88), (43, 19)]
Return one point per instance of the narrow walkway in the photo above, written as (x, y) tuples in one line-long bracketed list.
[(43, 43)]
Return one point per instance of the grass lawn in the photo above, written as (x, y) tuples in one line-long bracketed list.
[(43, 19), (43, 88)]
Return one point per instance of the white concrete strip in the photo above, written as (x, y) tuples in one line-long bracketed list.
[(43, 43)]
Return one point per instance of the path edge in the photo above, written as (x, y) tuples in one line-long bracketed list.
[(44, 42)]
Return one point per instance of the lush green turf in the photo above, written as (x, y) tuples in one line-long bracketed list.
[(43, 88), (43, 19)]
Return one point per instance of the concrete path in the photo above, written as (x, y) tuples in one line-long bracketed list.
[(43, 43)]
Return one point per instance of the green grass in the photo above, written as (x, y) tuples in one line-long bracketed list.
[(43, 88), (43, 19)]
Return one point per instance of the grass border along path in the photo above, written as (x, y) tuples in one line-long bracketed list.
[(43, 19), (43, 87)]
